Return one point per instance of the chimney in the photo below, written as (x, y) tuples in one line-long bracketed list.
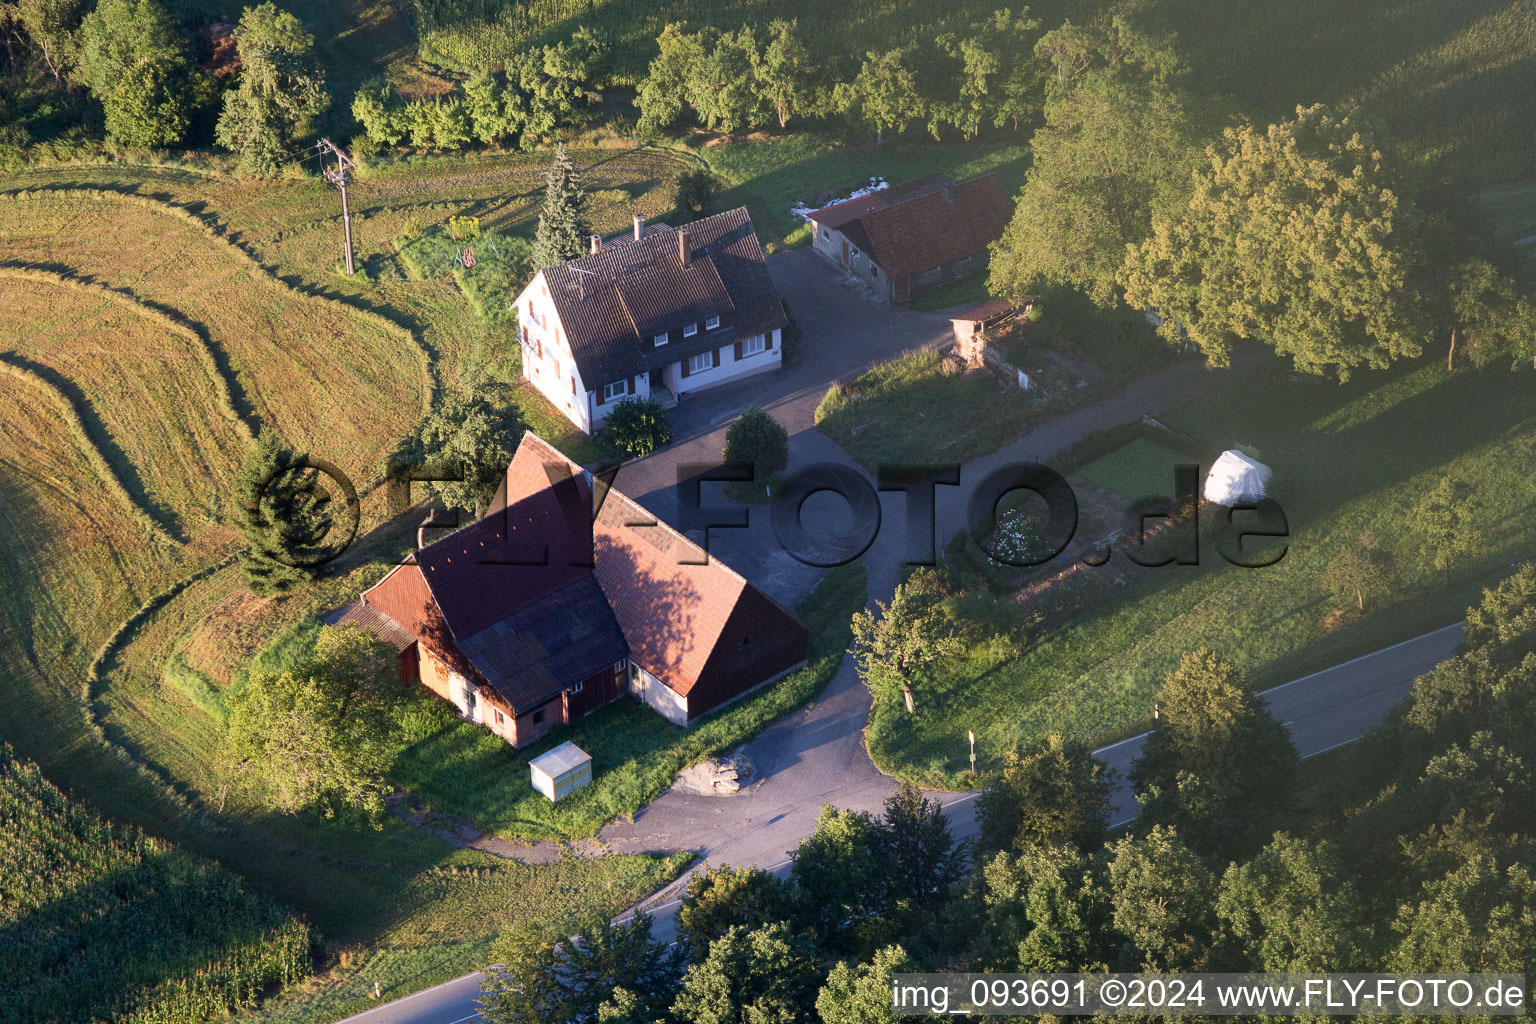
[(597, 244), (682, 246), (639, 226)]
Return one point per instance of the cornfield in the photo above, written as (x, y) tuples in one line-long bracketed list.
[(100, 922)]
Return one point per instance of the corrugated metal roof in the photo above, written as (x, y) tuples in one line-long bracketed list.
[(614, 302), (375, 623)]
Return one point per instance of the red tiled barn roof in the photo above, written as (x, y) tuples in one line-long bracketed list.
[(935, 227)]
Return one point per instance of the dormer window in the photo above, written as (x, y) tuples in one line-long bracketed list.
[(659, 340), (711, 323), (690, 330)]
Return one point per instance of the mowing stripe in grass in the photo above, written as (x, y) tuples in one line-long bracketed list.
[(201, 345), (212, 229), (77, 427)]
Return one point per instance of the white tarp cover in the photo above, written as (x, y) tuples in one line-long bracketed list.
[(1235, 479)]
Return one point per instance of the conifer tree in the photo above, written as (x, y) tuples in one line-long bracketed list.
[(271, 491), (563, 229)]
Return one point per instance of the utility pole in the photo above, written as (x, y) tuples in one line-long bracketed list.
[(340, 178)]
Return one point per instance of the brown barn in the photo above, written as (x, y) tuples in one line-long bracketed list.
[(904, 240), (538, 614)]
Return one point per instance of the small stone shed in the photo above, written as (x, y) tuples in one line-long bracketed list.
[(975, 328)]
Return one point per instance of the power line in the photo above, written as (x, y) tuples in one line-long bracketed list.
[(340, 178)]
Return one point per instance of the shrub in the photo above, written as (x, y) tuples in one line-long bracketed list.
[(463, 229), (638, 426), (792, 333), (758, 438), (693, 189)]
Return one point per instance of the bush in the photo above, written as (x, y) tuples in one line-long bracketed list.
[(792, 334), (693, 189), (757, 437), (638, 426)]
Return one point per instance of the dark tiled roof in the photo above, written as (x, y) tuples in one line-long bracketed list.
[(671, 614), (512, 558), (614, 302), (939, 225), (548, 646)]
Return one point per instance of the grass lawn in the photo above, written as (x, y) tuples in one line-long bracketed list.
[(1137, 470), (1348, 460), (771, 176), (454, 768), (967, 291), (908, 410)]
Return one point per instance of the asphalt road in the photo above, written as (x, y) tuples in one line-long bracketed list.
[(1323, 711)]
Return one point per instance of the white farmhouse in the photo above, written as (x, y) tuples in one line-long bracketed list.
[(661, 313)]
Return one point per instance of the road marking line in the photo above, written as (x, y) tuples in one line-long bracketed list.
[(1372, 654), (461, 1020), (1336, 746)]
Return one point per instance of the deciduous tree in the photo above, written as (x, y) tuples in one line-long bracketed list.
[(721, 898), (784, 71), (883, 96), (861, 994), (758, 438), (1045, 910), (281, 90), (838, 882), (1297, 236), (766, 975), (1050, 793), (1163, 900), (1292, 909), (1491, 316), (1359, 569), (137, 65), (1446, 521), (541, 978), (1119, 144), (907, 636), (317, 736), (1215, 763), (470, 437)]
